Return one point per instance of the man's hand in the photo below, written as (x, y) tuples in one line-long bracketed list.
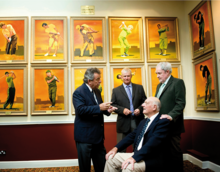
[(111, 153), (166, 116), (126, 111), (136, 112), (105, 106), (127, 162), (111, 109)]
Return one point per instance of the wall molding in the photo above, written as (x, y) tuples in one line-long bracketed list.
[(112, 119), (74, 162)]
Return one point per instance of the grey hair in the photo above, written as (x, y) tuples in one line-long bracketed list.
[(157, 103), (126, 70), (165, 66), (89, 74)]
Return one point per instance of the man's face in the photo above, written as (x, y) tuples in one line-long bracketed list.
[(7, 75), (158, 26), (162, 75), (147, 106), (126, 77), (96, 81), (49, 74), (45, 26), (201, 68)]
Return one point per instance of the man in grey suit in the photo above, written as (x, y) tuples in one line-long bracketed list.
[(171, 93), (128, 98)]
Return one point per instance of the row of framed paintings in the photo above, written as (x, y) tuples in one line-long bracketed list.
[(87, 37)]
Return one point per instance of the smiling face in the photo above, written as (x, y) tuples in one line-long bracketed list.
[(94, 84), (162, 75), (126, 77)]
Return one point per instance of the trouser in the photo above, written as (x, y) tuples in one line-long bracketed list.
[(90, 44), (123, 42), (121, 136), (52, 95), (114, 164), (10, 98), (163, 43), (86, 152), (208, 87), (11, 45), (201, 34)]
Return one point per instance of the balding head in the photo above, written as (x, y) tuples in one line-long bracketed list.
[(151, 106)]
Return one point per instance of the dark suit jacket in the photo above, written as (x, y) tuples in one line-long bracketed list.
[(173, 101), (154, 144), (121, 101), (89, 122)]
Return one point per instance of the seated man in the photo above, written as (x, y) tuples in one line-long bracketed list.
[(149, 140)]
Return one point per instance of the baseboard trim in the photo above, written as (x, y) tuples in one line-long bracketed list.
[(201, 164), (74, 162)]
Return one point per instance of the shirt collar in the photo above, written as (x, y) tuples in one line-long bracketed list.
[(90, 89), (167, 80), (153, 117), (130, 85)]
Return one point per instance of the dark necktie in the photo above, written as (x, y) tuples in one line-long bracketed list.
[(141, 134), (130, 99), (93, 94)]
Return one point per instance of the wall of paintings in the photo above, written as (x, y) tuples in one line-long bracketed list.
[(36, 57)]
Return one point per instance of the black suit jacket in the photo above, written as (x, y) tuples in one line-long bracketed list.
[(154, 144), (121, 101), (173, 101), (89, 122)]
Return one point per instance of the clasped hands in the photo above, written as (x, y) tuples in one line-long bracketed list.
[(127, 112), (107, 106), (124, 165)]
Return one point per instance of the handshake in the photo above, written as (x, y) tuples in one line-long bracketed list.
[(107, 106)]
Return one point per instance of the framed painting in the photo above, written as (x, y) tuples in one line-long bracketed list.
[(162, 39), (125, 39), (49, 90), (206, 83), (153, 80), (77, 80), (88, 39), (201, 29), (13, 83), (49, 40), (13, 40), (138, 74)]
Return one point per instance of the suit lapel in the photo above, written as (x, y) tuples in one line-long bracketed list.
[(99, 99), (123, 91), (167, 85), (153, 123), (133, 90), (87, 91), (158, 87)]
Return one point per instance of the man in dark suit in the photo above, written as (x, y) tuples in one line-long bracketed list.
[(171, 92), (89, 122), (128, 99), (149, 140)]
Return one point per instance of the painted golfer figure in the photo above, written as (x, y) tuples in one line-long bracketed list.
[(123, 40), (11, 89), (52, 87), (163, 41)]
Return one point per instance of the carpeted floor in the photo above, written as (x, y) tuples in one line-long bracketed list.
[(188, 167)]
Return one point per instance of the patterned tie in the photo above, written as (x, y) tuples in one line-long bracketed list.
[(141, 134), (130, 99), (160, 90)]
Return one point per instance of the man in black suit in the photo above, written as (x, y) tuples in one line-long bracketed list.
[(128, 99), (149, 140), (171, 92), (89, 122)]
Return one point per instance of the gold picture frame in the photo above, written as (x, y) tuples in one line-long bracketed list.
[(162, 39), (45, 99), (49, 39), (205, 79), (153, 80), (77, 75), (125, 39), (19, 55), (15, 99), (88, 47)]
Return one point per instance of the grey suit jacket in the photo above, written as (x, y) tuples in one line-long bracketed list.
[(121, 101), (173, 101)]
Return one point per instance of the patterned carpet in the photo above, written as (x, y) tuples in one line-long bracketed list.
[(188, 167)]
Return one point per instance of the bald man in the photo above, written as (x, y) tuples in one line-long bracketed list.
[(149, 140)]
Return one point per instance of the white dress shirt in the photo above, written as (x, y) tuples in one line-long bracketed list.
[(151, 120)]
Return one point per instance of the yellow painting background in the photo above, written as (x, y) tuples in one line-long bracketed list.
[(137, 78)]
